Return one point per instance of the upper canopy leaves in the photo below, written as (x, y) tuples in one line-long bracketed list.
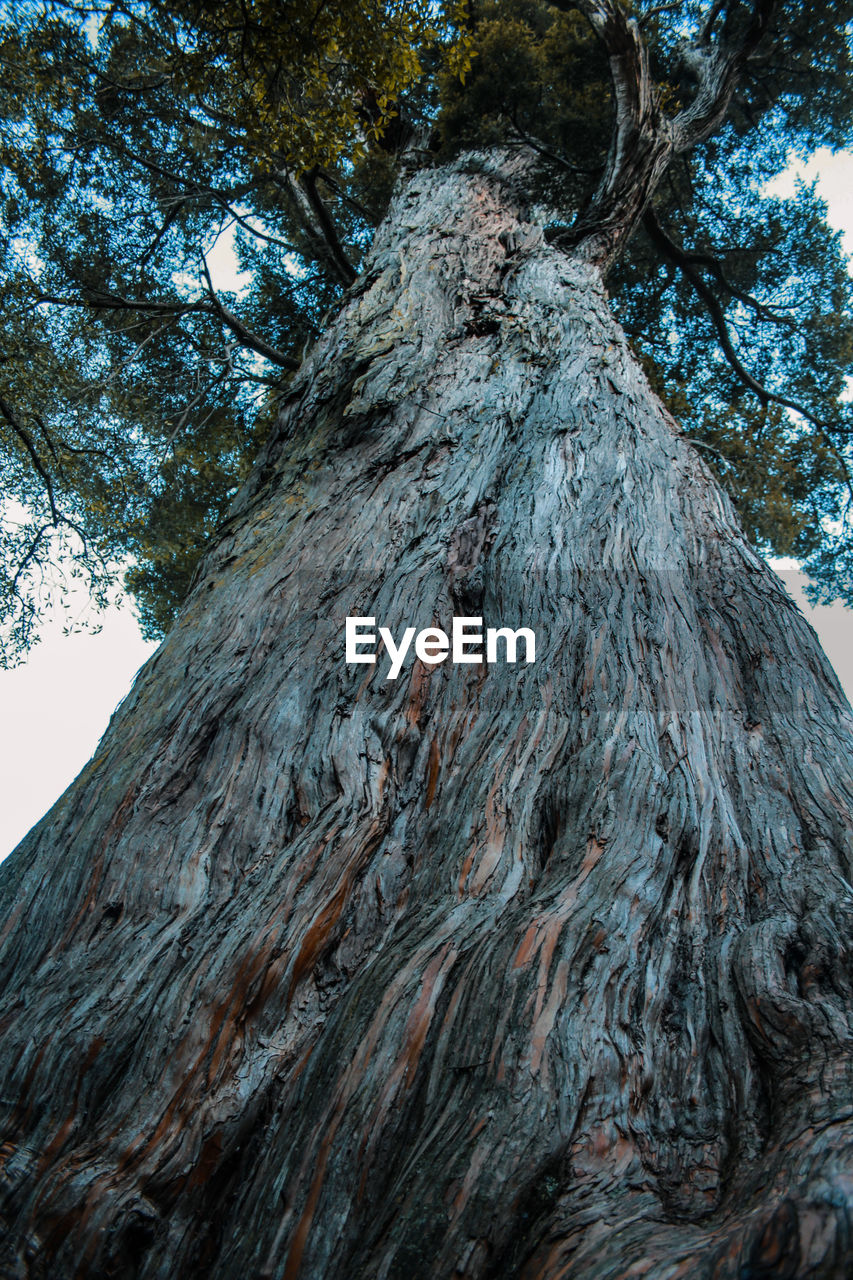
[(135, 386), (138, 138)]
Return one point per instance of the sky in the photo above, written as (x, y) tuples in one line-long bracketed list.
[(55, 707)]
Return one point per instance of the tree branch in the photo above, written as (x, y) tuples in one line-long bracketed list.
[(356, 205), (655, 12), (247, 226), (718, 318), (316, 223), (28, 443), (209, 306), (644, 140), (170, 216), (717, 67), (27, 558), (708, 25), (758, 309), (550, 155), (327, 227), (246, 337), (641, 145)]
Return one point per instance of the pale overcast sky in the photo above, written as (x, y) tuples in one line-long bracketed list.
[(57, 705)]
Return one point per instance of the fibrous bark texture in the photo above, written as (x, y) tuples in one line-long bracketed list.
[(488, 971)]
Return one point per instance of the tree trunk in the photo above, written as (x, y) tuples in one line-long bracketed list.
[(490, 970)]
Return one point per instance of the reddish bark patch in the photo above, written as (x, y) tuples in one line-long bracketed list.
[(208, 1161), (316, 937), (432, 772)]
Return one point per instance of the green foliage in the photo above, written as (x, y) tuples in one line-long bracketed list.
[(781, 280), (137, 138), (199, 481), (538, 79)]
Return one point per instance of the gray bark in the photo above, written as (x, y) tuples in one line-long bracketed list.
[(512, 971)]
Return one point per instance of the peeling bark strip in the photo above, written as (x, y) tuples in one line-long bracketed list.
[(314, 974)]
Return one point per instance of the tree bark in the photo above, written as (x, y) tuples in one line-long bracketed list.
[(487, 971)]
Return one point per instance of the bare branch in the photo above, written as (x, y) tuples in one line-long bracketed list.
[(759, 309), (548, 154), (247, 226), (312, 215), (708, 25), (116, 302), (703, 444), (336, 189), (644, 138), (171, 215), (28, 557), (209, 306)]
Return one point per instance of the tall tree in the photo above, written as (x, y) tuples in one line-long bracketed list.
[(492, 969)]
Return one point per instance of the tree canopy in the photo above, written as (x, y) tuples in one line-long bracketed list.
[(137, 137)]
